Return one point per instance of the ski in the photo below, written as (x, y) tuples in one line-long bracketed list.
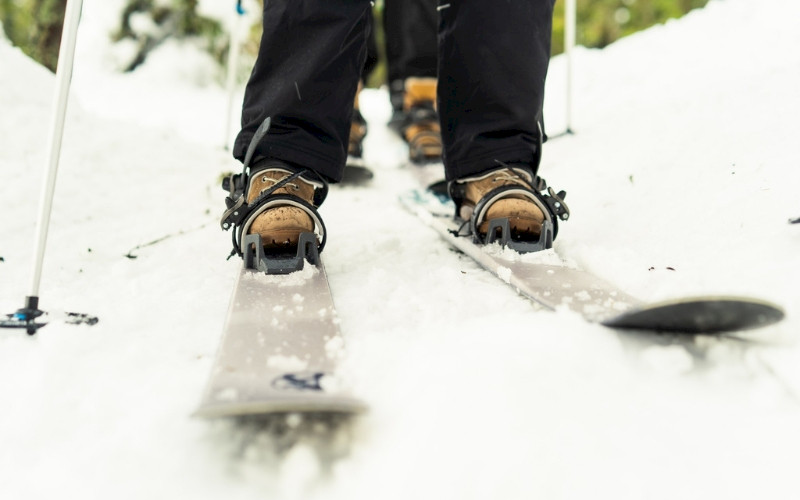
[(356, 172), (281, 341), (546, 279)]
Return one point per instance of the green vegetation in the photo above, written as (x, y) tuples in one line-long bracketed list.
[(35, 26), (601, 22)]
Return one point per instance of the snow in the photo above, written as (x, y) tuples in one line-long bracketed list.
[(294, 279), (684, 157)]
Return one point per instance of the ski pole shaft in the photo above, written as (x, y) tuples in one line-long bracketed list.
[(570, 20), (66, 56)]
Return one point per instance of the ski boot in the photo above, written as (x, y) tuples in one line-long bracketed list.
[(273, 213), (355, 145), (355, 170), (281, 225), (506, 204), (397, 90), (358, 130), (421, 128)]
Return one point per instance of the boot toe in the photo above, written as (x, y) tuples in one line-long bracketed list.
[(525, 218), (281, 227)]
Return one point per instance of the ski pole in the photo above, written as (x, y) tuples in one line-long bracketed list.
[(66, 55), (570, 16), (233, 63)]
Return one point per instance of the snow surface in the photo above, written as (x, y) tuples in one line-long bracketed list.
[(681, 176)]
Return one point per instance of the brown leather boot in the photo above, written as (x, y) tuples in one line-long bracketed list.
[(358, 129), (524, 215), (280, 227), (422, 131)]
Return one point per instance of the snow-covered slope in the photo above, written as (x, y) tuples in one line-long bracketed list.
[(684, 157)]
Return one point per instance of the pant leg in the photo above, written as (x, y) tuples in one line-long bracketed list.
[(493, 58), (410, 28), (305, 78), (373, 55)]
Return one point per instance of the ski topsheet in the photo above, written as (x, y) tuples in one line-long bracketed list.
[(555, 284), (280, 348)]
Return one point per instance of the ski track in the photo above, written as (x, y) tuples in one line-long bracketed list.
[(681, 176)]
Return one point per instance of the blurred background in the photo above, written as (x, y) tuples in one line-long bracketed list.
[(35, 26)]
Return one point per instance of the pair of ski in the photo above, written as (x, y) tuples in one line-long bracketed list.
[(282, 341)]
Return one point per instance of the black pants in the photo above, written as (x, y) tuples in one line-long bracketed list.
[(410, 28), (493, 57)]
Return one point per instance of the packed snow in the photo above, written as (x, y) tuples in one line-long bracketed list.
[(681, 176)]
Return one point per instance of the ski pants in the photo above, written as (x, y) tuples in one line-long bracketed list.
[(410, 28), (492, 64)]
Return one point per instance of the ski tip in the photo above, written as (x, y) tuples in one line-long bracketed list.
[(356, 174), (700, 315)]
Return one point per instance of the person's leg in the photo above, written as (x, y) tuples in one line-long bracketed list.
[(411, 53), (304, 81), (373, 55), (492, 66), (312, 53), (358, 124), (410, 28)]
